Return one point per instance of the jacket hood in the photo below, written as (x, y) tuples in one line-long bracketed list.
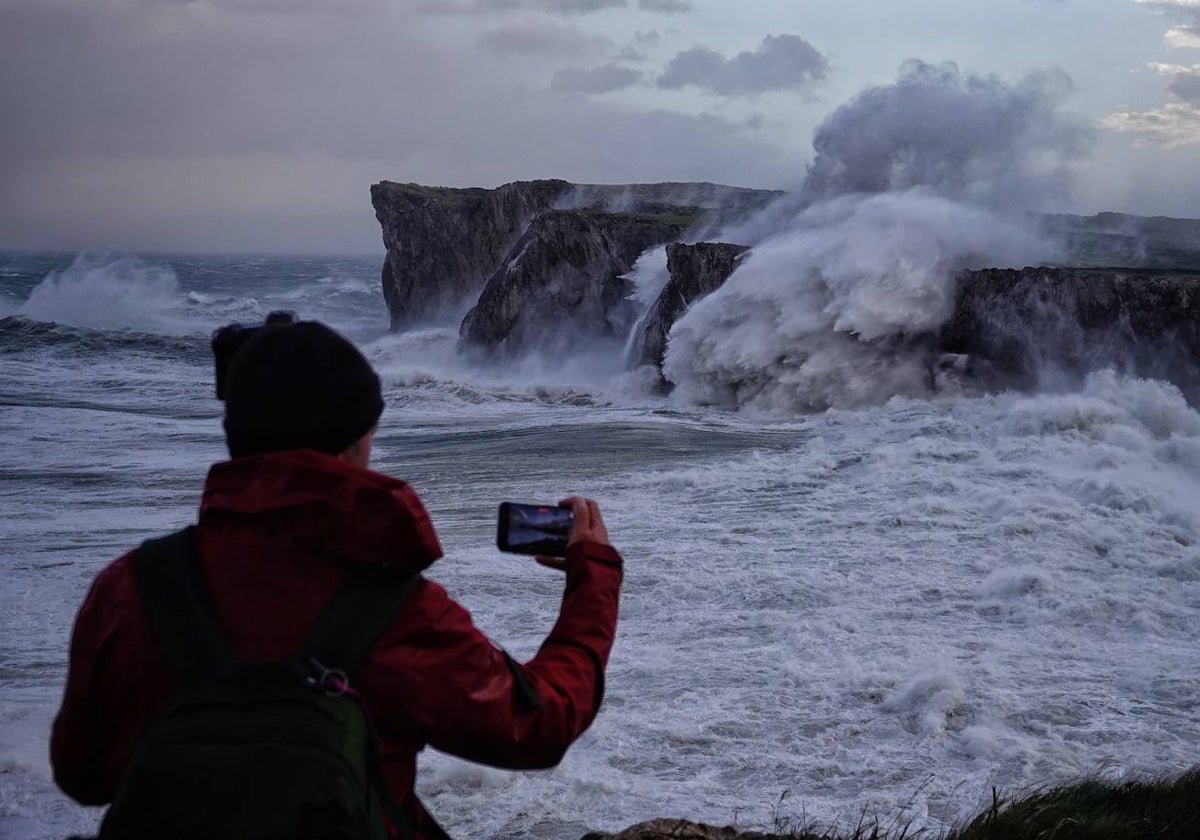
[(326, 503)]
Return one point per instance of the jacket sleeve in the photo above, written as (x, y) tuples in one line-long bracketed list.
[(77, 753), (117, 681), (469, 699)]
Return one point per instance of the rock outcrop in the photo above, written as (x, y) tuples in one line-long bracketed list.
[(667, 829), (543, 263), (1010, 328), (1030, 326), (1117, 239), (563, 281), (695, 271), (443, 244)]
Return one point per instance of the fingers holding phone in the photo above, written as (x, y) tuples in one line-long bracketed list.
[(588, 525), (547, 530)]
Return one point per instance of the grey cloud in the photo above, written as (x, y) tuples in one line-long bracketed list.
[(559, 7), (782, 62), (636, 51), (969, 137), (1185, 10), (167, 127), (1185, 81), (339, 8), (467, 7), (595, 80), (537, 35), (667, 7), (581, 7), (1186, 85), (1184, 36), (1187, 34), (1175, 124)]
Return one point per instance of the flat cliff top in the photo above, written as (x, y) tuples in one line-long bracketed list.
[(608, 197)]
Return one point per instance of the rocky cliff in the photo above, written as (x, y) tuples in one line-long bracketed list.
[(1033, 326), (1118, 239), (1010, 328), (695, 270), (562, 281), (443, 244)]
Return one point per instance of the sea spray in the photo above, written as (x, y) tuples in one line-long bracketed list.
[(912, 184), (820, 314), (973, 138), (110, 291)]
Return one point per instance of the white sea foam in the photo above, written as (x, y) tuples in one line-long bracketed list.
[(649, 275), (108, 291), (895, 608), (817, 314), (912, 183)]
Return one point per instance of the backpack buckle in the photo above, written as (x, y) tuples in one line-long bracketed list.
[(332, 682)]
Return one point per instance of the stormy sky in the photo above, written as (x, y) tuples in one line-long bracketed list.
[(259, 125)]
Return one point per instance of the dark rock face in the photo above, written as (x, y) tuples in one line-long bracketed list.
[(562, 281), (1026, 327), (1117, 239), (443, 244), (695, 271)]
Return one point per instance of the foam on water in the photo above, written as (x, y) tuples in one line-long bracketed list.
[(893, 608), (904, 608), (817, 314), (104, 291)]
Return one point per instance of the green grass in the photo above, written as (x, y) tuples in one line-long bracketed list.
[(1095, 810), (1088, 810), (1167, 809), (685, 217)]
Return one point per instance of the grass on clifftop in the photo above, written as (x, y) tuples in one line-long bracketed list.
[(1096, 810), (1087, 810)]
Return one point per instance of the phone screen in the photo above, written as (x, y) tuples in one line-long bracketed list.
[(534, 529)]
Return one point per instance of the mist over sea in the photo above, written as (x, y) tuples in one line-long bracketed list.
[(891, 607)]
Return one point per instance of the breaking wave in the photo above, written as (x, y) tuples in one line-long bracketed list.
[(110, 292), (822, 313)]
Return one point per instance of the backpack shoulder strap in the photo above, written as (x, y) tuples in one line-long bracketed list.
[(177, 602), (343, 635)]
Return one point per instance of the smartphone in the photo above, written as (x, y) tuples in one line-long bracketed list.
[(534, 529)]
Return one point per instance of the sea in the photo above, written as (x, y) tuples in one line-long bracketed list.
[(892, 609)]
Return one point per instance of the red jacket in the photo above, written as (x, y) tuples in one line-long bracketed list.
[(274, 533)]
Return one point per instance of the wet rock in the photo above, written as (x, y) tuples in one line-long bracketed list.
[(663, 829), (695, 271), (443, 244), (1038, 325), (562, 282)]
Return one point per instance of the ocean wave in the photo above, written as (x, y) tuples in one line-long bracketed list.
[(20, 333), (105, 291)]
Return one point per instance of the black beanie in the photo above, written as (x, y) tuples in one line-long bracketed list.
[(299, 386)]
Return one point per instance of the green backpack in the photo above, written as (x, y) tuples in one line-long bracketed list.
[(249, 751)]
